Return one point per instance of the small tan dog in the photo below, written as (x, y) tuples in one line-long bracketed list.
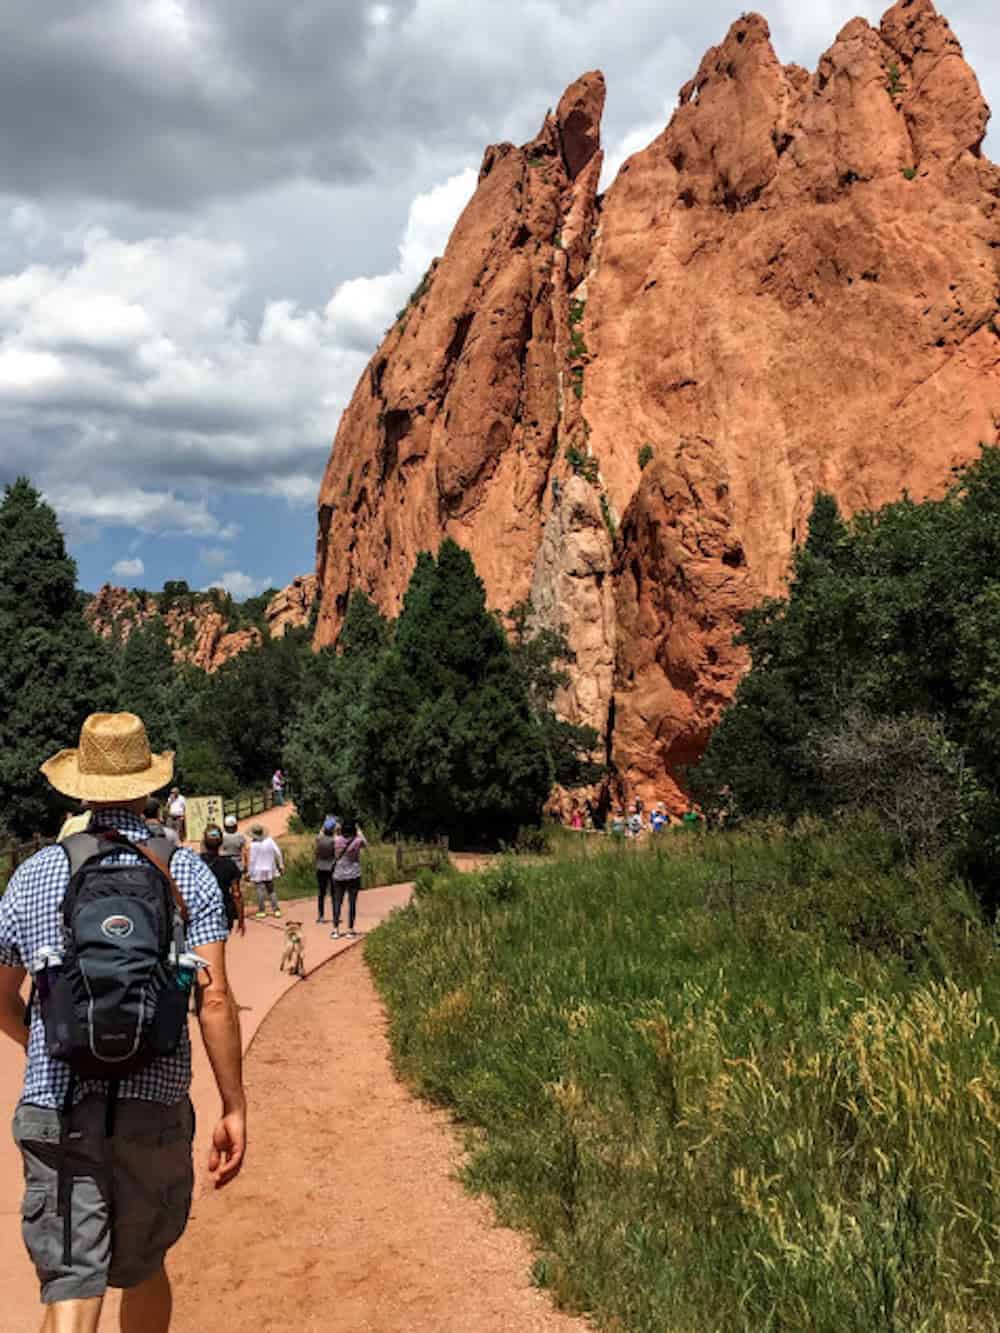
[(293, 960)]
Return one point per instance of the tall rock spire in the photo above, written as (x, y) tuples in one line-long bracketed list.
[(794, 287)]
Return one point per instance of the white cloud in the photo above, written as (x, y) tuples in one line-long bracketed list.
[(240, 585), (149, 511), (633, 142), (361, 309), (213, 556), (138, 360), (128, 569)]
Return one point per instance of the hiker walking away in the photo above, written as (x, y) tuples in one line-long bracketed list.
[(278, 787), (234, 844), (228, 875), (349, 843), (326, 855), (265, 865), (157, 829), (177, 813), (107, 923)]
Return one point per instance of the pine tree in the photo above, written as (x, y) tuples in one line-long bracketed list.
[(325, 749), (54, 670), (452, 741)]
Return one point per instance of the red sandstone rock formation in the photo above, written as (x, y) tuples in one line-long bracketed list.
[(200, 633), (794, 287), (291, 607)]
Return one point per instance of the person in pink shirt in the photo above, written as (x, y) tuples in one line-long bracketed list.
[(348, 846)]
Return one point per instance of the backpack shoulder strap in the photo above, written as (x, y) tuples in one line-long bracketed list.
[(162, 848), (81, 848), (159, 853)]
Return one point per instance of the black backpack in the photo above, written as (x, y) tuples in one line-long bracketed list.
[(118, 997)]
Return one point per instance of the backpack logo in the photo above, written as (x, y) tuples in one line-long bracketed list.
[(117, 927)]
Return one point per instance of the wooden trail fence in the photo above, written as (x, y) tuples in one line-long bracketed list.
[(420, 855)]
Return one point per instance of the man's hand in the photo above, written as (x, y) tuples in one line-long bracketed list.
[(229, 1142)]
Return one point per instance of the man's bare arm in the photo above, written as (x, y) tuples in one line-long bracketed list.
[(12, 1006), (220, 1030)]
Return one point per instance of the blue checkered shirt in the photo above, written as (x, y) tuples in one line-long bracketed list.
[(30, 920)]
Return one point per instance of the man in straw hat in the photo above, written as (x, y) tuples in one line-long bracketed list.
[(128, 1193)]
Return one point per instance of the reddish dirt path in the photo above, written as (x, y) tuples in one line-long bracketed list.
[(348, 1216)]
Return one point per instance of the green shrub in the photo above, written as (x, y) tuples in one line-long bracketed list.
[(894, 83), (645, 457), (608, 516), (583, 464), (910, 173), (894, 614)]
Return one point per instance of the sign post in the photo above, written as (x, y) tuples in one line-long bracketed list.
[(202, 811)]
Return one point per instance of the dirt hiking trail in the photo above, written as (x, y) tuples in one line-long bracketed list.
[(348, 1216)]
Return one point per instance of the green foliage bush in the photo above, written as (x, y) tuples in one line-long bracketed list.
[(584, 465), (742, 1082), (645, 457), (895, 614)]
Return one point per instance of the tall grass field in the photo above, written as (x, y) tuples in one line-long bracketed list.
[(739, 1082)]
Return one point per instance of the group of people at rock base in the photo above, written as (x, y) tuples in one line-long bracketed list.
[(106, 1146), (338, 872), (632, 824)]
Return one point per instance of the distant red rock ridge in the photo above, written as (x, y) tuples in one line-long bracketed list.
[(199, 632)]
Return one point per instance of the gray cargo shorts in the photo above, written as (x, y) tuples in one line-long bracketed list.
[(129, 1195)]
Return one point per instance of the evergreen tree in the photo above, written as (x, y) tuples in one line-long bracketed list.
[(538, 660), (895, 614), (325, 749), (451, 739), (251, 702), (54, 669), (147, 682)]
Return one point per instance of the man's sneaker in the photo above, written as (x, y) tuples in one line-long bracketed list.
[(352, 934), (260, 916), (277, 911), (321, 921), (334, 934)]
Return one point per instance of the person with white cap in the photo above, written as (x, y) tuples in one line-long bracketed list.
[(105, 1138), (234, 844)]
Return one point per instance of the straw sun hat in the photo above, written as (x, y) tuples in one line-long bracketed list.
[(113, 761)]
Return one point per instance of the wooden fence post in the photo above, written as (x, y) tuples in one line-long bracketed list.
[(399, 853)]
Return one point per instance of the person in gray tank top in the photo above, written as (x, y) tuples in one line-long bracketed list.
[(234, 844)]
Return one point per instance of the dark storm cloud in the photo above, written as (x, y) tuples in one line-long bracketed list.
[(167, 103)]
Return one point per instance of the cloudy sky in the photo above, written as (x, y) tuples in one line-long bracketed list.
[(212, 209)]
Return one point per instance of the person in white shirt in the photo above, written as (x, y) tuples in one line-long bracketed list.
[(177, 813), (266, 864)]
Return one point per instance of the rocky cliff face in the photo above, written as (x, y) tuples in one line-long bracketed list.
[(200, 633), (291, 607), (626, 403)]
